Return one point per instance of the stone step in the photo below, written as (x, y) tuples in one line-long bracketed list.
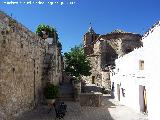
[(66, 99), (66, 95)]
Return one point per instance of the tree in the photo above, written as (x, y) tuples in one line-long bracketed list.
[(77, 63)]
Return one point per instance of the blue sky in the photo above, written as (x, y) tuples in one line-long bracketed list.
[(72, 21)]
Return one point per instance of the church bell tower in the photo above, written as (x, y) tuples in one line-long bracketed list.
[(89, 40)]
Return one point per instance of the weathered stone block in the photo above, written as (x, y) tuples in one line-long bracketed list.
[(90, 99)]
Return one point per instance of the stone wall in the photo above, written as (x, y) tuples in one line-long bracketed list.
[(53, 62), (91, 99), (58, 66), (21, 68), (95, 77)]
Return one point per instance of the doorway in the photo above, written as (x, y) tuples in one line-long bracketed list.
[(142, 99), (118, 91), (145, 99), (93, 79)]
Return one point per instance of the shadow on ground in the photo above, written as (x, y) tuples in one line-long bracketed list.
[(74, 112)]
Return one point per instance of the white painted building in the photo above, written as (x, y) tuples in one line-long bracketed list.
[(152, 69), (136, 79), (129, 80)]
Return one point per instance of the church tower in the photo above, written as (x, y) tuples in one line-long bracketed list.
[(89, 40)]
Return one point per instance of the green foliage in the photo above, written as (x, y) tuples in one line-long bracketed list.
[(77, 63), (51, 91), (49, 30)]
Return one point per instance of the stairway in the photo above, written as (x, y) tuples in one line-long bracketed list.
[(66, 92), (66, 97)]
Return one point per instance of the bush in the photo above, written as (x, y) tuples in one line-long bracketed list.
[(51, 91), (49, 30)]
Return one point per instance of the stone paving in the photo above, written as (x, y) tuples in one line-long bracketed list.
[(110, 110), (66, 88)]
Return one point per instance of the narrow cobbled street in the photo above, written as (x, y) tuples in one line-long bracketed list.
[(110, 110), (79, 60)]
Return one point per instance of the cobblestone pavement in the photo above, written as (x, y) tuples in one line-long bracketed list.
[(110, 110)]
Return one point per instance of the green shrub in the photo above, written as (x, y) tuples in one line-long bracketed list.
[(51, 91), (49, 30)]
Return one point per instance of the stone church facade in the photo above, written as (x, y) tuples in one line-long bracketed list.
[(102, 50), (27, 64)]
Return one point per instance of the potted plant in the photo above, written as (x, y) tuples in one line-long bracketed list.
[(45, 31), (51, 93)]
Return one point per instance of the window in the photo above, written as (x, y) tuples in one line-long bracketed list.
[(141, 64)]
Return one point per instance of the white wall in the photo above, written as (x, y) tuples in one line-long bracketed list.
[(152, 68), (131, 77), (127, 74)]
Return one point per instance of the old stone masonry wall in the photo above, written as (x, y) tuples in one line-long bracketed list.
[(21, 57)]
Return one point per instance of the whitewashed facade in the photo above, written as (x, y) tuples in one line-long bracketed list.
[(152, 69), (136, 76)]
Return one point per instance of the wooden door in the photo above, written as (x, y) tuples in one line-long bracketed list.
[(145, 100), (118, 91), (93, 79)]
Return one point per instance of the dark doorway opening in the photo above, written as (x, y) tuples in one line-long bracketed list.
[(118, 91), (93, 79)]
